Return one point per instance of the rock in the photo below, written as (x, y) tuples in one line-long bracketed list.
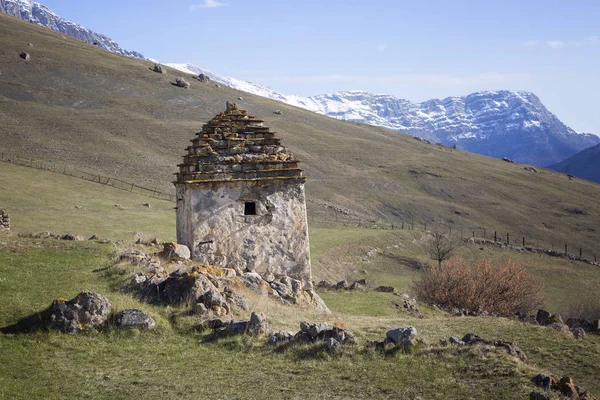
[(595, 326), (332, 345), (507, 160), (25, 56), (385, 289), (579, 323), (567, 387), (341, 285), (455, 341), (94, 237), (159, 68), (315, 329), (214, 302), (579, 333), (187, 287), (304, 326), (237, 327), (325, 284), (399, 335), (278, 112), (530, 169), (538, 396), (88, 310), (240, 98), (280, 337), (147, 205), (543, 381), (182, 83), (511, 349), (564, 328), (30, 44), (202, 78), (218, 323), (471, 338), (255, 282), (132, 318), (175, 251), (69, 236), (258, 325)]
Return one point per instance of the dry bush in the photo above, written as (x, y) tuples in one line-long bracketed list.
[(587, 308), (505, 289)]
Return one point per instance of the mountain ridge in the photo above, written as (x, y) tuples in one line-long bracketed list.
[(585, 164)]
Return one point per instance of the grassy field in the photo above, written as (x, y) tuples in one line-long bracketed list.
[(175, 361), (79, 106)]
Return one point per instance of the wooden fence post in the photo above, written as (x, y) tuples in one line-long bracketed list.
[(523, 241), (580, 252), (402, 225), (566, 249), (507, 238), (495, 237)]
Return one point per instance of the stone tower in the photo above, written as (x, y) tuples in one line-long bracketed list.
[(241, 201)]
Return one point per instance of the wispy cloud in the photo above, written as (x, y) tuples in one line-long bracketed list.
[(208, 4), (487, 78), (381, 47), (557, 44)]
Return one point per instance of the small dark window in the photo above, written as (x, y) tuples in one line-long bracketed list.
[(249, 208)]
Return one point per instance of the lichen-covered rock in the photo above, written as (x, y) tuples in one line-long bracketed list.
[(181, 288), (152, 282), (86, 311), (399, 335), (332, 345), (558, 326), (133, 319), (567, 387), (175, 251), (578, 333)]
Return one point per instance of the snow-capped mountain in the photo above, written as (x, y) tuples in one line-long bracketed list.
[(499, 124), (29, 10)]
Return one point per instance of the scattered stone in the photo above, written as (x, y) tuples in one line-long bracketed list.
[(538, 396), (77, 207), (240, 99), (564, 328), (218, 323), (332, 345), (148, 205), (567, 386), (507, 160), (133, 318), (530, 169), (579, 333), (69, 236), (385, 289), (175, 251), (180, 82), (87, 310), (399, 335), (182, 288), (202, 78), (25, 56), (341, 285), (456, 341), (280, 337), (544, 381), (315, 329), (30, 44), (94, 237), (159, 68), (258, 325), (237, 327), (278, 112)]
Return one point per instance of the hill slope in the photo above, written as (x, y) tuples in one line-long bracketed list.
[(76, 104), (585, 164)]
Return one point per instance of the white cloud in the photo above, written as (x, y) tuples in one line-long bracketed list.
[(555, 43), (487, 78), (381, 47), (208, 4)]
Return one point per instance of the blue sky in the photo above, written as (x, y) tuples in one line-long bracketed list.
[(415, 50)]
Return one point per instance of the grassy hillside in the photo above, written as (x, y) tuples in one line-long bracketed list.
[(585, 164), (77, 105)]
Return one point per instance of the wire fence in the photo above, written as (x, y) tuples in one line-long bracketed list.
[(77, 173)]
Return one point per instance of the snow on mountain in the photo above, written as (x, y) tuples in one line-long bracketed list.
[(29, 10)]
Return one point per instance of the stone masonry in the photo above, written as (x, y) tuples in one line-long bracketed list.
[(241, 201)]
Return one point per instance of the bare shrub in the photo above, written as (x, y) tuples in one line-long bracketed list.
[(506, 288), (441, 246), (587, 308)]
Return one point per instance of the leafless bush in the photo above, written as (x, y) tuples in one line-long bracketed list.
[(441, 246), (587, 308), (505, 288)]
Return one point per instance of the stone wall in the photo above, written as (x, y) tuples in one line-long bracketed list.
[(212, 222), (4, 222)]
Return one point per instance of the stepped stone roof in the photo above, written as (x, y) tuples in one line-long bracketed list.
[(235, 146)]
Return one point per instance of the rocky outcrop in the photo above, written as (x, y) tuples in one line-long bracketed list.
[(564, 386), (87, 311), (175, 251), (4, 222), (471, 339), (182, 83)]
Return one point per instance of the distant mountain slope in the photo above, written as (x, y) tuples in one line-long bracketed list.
[(498, 124), (29, 10), (585, 165)]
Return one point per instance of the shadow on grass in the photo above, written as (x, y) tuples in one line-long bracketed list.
[(32, 323), (408, 262)]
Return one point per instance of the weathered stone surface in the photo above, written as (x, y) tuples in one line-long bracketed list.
[(182, 83), (385, 289), (399, 335), (578, 333), (187, 287), (332, 345), (25, 56), (456, 341), (280, 337), (175, 251), (543, 381), (567, 386), (258, 325), (133, 318), (538, 396), (560, 327), (315, 329), (70, 236), (88, 310), (159, 68)]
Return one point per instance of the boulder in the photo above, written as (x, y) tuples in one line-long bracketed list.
[(175, 251), (258, 325), (385, 289), (543, 381), (182, 83), (315, 329), (341, 285), (399, 335), (567, 387), (150, 283), (255, 282), (70, 236), (25, 56), (87, 310), (132, 318), (538, 396), (159, 68), (187, 287), (456, 341), (558, 326), (237, 327)]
